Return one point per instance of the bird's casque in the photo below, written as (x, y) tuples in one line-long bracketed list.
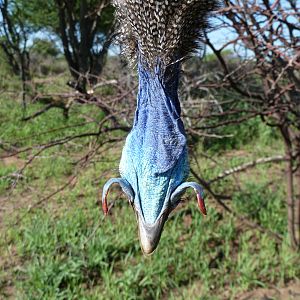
[(154, 163)]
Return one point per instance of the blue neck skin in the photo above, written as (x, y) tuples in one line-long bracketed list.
[(154, 163), (154, 160)]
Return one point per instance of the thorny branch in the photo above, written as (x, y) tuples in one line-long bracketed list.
[(269, 31)]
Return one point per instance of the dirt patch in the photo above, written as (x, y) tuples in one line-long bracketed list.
[(13, 161), (291, 292), (237, 153)]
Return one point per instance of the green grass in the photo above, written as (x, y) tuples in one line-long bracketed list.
[(63, 259), (55, 252), (45, 127)]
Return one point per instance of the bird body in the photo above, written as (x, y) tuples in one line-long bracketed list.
[(154, 164)]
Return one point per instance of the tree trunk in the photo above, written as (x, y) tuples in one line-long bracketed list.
[(297, 197), (25, 75), (290, 197)]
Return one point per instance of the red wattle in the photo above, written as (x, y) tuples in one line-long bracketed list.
[(201, 204)]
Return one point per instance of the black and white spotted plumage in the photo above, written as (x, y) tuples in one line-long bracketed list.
[(164, 30)]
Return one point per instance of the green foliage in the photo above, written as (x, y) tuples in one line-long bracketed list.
[(45, 16), (46, 58), (8, 80), (5, 179), (236, 136), (41, 129), (211, 57), (263, 205), (44, 48), (5, 69)]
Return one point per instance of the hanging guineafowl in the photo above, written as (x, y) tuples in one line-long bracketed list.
[(158, 35)]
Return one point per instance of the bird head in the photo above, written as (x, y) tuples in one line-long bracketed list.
[(154, 163)]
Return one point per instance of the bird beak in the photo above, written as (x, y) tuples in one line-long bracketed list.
[(150, 233)]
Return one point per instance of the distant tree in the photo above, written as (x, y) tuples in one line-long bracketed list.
[(85, 29), (46, 58), (44, 47), (14, 35)]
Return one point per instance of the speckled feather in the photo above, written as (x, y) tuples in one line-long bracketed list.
[(162, 30)]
